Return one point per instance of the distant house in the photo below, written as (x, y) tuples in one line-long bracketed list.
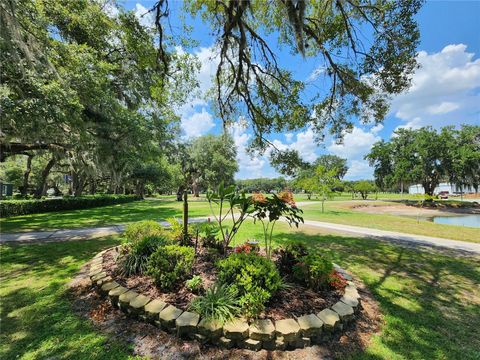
[(446, 187)]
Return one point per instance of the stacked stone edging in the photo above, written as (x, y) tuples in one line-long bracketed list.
[(303, 331)]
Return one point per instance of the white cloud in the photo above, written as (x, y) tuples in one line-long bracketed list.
[(443, 108), (315, 74), (145, 17), (289, 137), (111, 9), (354, 147), (249, 166), (198, 123), (445, 90)]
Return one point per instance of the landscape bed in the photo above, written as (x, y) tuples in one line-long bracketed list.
[(279, 334)]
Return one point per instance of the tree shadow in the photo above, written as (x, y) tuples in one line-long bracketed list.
[(431, 300)]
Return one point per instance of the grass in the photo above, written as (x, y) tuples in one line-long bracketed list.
[(430, 301), (335, 212), (340, 213), (106, 215), (36, 316)]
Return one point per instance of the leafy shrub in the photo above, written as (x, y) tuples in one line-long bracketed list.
[(136, 259), (313, 270), (336, 280), (254, 277), (288, 256), (209, 230), (220, 303), (24, 207), (170, 264), (195, 284), (245, 248), (138, 230)]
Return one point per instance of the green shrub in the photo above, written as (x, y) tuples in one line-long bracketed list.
[(170, 264), (141, 229), (313, 270), (24, 207), (135, 261), (288, 256), (220, 303), (254, 277), (195, 284)]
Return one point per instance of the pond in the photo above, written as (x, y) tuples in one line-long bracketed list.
[(463, 220)]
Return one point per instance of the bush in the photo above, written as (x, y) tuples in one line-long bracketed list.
[(313, 270), (288, 256), (141, 229), (254, 277), (170, 264), (24, 207), (135, 261), (220, 303), (195, 284)]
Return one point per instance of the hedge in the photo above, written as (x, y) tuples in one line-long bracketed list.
[(24, 207)]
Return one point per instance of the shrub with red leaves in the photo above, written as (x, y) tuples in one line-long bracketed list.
[(244, 248), (337, 281)]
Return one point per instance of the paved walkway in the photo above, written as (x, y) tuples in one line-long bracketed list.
[(91, 233)]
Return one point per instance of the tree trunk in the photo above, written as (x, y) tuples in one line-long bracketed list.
[(92, 187), (195, 189), (180, 193), (26, 175), (42, 186), (185, 214)]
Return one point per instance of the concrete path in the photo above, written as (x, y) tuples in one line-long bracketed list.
[(399, 237), (72, 234), (91, 233)]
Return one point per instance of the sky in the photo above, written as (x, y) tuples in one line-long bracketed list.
[(445, 89)]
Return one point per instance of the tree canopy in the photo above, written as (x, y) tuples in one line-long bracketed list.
[(428, 156)]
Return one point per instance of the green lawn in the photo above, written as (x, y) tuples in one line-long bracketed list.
[(106, 215), (340, 213), (335, 212), (430, 301)]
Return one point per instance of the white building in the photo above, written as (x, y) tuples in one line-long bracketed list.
[(447, 187)]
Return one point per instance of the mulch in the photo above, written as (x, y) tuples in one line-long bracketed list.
[(148, 341), (293, 301)]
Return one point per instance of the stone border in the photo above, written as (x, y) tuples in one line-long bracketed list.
[(285, 334)]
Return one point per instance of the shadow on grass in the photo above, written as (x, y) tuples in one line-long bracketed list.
[(36, 315), (431, 302)]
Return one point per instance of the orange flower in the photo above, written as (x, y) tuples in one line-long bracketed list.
[(259, 198), (286, 197)]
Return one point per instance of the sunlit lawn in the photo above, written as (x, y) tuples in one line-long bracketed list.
[(430, 301), (340, 213), (162, 209)]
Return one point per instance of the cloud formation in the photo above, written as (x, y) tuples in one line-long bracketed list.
[(445, 90)]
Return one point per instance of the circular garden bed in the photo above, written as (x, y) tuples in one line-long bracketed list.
[(191, 282)]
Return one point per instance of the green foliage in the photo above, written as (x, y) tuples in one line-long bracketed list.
[(265, 185), (220, 303), (24, 207), (427, 156), (209, 230), (170, 264), (136, 259), (313, 270), (364, 187), (268, 210), (136, 231), (195, 284), (254, 277), (230, 203), (288, 256)]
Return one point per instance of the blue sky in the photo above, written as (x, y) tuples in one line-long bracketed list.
[(445, 90)]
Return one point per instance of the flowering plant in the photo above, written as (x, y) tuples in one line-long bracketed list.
[(268, 210), (336, 280)]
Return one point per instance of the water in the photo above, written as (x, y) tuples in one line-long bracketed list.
[(463, 220)]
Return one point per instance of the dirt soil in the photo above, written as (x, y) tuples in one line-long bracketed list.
[(295, 300), (400, 209), (147, 340)]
